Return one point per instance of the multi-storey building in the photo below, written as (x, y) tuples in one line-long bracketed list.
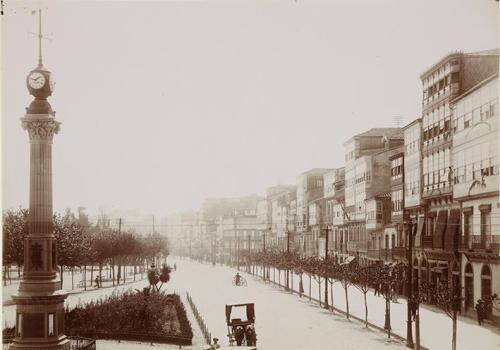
[(309, 189), (241, 232), (395, 232), (367, 174), (476, 187), (278, 201), (442, 82), (334, 197)]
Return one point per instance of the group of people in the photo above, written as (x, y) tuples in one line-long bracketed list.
[(484, 307), (247, 334)]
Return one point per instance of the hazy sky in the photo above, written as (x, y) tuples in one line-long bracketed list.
[(165, 103)]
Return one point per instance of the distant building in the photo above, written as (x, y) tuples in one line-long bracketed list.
[(334, 198), (309, 189), (367, 175)]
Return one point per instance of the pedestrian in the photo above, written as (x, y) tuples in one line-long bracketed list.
[(215, 345), (239, 335), (480, 311), (175, 267), (250, 335), (97, 281)]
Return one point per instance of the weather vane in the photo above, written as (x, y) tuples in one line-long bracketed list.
[(40, 36)]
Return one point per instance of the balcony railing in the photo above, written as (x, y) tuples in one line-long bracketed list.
[(480, 242), (427, 242), (374, 254), (399, 253)]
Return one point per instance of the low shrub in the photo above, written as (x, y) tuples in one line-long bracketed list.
[(140, 315)]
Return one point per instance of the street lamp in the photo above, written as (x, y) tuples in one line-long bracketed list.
[(326, 277), (409, 257)]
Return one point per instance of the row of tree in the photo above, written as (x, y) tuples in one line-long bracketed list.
[(81, 244), (387, 281)]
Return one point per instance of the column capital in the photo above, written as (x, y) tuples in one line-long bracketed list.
[(41, 127)]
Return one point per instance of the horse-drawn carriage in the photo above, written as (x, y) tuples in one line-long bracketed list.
[(240, 319)]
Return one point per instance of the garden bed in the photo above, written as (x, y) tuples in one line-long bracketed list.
[(140, 316)]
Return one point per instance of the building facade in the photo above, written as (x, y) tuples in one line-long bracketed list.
[(476, 189)]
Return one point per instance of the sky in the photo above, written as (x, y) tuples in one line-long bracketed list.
[(166, 103)]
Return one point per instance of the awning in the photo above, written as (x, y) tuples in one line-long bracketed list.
[(432, 255), (451, 235), (484, 257), (348, 260), (420, 229), (440, 228)]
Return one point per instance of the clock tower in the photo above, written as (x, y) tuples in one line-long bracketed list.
[(40, 299)]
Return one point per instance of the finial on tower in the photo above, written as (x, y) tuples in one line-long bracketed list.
[(40, 36)]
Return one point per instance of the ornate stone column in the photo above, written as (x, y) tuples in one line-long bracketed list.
[(40, 301)]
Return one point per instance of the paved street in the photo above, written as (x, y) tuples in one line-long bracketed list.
[(283, 321)]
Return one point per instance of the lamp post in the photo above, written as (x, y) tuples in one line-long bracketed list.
[(409, 334), (326, 277), (288, 255)]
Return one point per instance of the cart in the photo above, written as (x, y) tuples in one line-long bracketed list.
[(240, 319)]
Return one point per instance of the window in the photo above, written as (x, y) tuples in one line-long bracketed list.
[(485, 223), (19, 324), (50, 323), (467, 222)]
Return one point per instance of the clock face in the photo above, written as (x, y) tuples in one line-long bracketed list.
[(36, 80)]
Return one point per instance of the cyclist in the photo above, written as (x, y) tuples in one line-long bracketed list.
[(237, 279)]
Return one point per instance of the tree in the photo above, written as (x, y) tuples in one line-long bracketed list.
[(449, 301), (390, 279), (15, 230), (345, 277), (363, 280), (164, 275), (70, 241)]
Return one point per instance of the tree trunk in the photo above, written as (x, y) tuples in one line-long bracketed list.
[(387, 324), (291, 281), (119, 274), (85, 277), (135, 270), (100, 274), (5, 275), (91, 274), (346, 302), (72, 278), (62, 275), (279, 277), (366, 310), (454, 337), (331, 295), (417, 328), (310, 283), (124, 273), (319, 290), (113, 269)]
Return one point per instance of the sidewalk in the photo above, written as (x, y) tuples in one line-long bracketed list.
[(11, 288)]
